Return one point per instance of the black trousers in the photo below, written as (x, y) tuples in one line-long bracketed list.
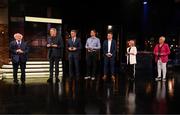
[(91, 61), (15, 70), (131, 70), (109, 64), (54, 61), (74, 64)]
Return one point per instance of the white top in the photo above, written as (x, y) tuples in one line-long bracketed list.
[(109, 45), (132, 58)]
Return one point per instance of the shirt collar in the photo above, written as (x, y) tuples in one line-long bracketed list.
[(17, 41)]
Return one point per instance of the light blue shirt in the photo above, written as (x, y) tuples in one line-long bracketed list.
[(93, 43)]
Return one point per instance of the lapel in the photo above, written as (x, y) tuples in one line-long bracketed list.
[(74, 41), (111, 45), (71, 41), (17, 44)]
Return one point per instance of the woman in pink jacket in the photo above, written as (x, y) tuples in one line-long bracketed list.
[(161, 52)]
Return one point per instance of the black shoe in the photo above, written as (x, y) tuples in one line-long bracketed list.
[(50, 80), (16, 82), (23, 83), (57, 80)]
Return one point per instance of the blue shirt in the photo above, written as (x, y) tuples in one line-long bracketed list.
[(93, 43)]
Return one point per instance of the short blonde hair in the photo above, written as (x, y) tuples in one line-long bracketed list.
[(132, 42)]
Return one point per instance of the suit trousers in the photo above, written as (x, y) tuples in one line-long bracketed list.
[(15, 70), (109, 65), (74, 64), (54, 61)]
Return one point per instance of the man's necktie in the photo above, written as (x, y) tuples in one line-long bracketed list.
[(19, 44)]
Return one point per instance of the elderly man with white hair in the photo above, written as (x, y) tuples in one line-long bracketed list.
[(161, 52), (19, 52)]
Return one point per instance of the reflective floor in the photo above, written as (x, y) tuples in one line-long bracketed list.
[(71, 96)]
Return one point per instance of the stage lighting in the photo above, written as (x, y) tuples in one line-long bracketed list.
[(145, 2), (109, 27)]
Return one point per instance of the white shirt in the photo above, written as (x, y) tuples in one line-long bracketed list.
[(109, 45), (17, 41), (74, 39)]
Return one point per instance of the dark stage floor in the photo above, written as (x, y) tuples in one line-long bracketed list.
[(144, 95)]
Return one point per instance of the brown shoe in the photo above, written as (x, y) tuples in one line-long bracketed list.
[(113, 78), (104, 77)]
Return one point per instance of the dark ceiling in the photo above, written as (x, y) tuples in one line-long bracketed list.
[(161, 14)]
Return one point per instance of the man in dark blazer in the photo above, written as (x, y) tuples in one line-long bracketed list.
[(55, 50), (74, 50), (19, 56), (109, 52)]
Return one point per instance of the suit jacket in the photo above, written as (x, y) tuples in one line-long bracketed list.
[(164, 52), (58, 51), (76, 44), (16, 57), (132, 58), (112, 50)]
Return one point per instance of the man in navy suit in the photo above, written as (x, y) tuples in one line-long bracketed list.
[(55, 47), (74, 50), (19, 55), (109, 52)]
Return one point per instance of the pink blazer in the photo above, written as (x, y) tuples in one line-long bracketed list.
[(164, 52)]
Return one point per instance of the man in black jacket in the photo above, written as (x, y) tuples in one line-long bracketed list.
[(55, 46), (109, 51), (19, 56)]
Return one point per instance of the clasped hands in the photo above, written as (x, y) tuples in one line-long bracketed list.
[(72, 48), (19, 51), (108, 54), (130, 53), (53, 45)]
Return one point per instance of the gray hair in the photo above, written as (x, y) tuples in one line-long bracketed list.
[(163, 38)]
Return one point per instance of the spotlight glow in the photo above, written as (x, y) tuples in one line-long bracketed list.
[(145, 2)]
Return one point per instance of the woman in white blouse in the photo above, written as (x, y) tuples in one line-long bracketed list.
[(131, 59)]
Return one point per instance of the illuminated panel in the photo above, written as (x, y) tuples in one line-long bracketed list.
[(43, 20)]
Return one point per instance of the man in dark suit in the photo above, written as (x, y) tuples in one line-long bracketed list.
[(74, 50), (55, 47), (109, 51), (19, 55)]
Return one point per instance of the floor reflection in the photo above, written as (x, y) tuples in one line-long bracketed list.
[(160, 104), (79, 96), (130, 97)]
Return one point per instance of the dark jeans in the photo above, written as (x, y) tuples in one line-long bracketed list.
[(91, 61), (73, 62), (131, 70), (15, 70), (109, 64), (54, 61)]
